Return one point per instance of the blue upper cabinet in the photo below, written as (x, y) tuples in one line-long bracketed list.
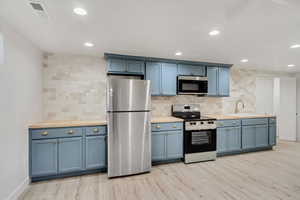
[(193, 70), (218, 81), (223, 81), (122, 66), (168, 79), (163, 78), (212, 75), (153, 73), (116, 65), (135, 66), (163, 73)]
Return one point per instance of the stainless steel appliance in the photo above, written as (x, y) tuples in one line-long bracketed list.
[(129, 128), (194, 85), (200, 136)]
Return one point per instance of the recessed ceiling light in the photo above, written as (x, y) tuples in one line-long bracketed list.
[(295, 46), (80, 11), (178, 53), (214, 32), (244, 60), (291, 65), (88, 44)]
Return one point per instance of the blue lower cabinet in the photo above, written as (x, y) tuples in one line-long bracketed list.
[(234, 137), (228, 139), (255, 136), (262, 136), (221, 140), (95, 153), (83, 151), (167, 142), (248, 137), (174, 145), (44, 157), (158, 144), (70, 154), (272, 134)]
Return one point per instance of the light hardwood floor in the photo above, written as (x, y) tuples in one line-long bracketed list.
[(263, 175)]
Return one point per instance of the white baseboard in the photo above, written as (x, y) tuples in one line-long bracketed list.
[(19, 190)]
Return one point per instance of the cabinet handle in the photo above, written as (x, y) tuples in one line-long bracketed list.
[(96, 130), (70, 132), (174, 126), (45, 133), (157, 126)]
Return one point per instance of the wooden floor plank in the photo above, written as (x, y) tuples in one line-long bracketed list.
[(261, 175)]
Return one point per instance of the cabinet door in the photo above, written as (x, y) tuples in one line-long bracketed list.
[(234, 137), (248, 137), (116, 65), (168, 79), (44, 157), (212, 75), (262, 136), (153, 73), (174, 145), (193, 70), (272, 134), (135, 66), (221, 140), (158, 146), (223, 82), (70, 154), (95, 153)]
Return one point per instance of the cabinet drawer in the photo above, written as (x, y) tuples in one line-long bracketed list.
[(254, 121), (227, 123), (96, 130), (56, 133), (272, 120), (166, 126)]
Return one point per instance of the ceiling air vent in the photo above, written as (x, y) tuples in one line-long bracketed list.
[(39, 8)]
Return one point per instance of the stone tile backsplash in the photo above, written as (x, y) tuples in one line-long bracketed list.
[(74, 89)]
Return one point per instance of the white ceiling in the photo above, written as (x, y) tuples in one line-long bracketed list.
[(259, 30)]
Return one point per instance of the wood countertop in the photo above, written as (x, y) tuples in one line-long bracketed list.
[(239, 116), (61, 124)]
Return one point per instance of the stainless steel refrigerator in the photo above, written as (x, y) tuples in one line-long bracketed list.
[(129, 128)]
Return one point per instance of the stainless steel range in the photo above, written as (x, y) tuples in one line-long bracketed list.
[(200, 136)]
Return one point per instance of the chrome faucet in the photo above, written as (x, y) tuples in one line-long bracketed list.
[(237, 105)]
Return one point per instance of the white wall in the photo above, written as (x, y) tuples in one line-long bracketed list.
[(298, 106), (20, 104), (264, 95)]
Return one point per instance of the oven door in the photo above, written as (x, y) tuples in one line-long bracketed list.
[(185, 86), (197, 141)]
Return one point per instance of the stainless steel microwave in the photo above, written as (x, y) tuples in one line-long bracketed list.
[(192, 85)]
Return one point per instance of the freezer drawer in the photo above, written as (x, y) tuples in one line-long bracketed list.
[(129, 143)]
